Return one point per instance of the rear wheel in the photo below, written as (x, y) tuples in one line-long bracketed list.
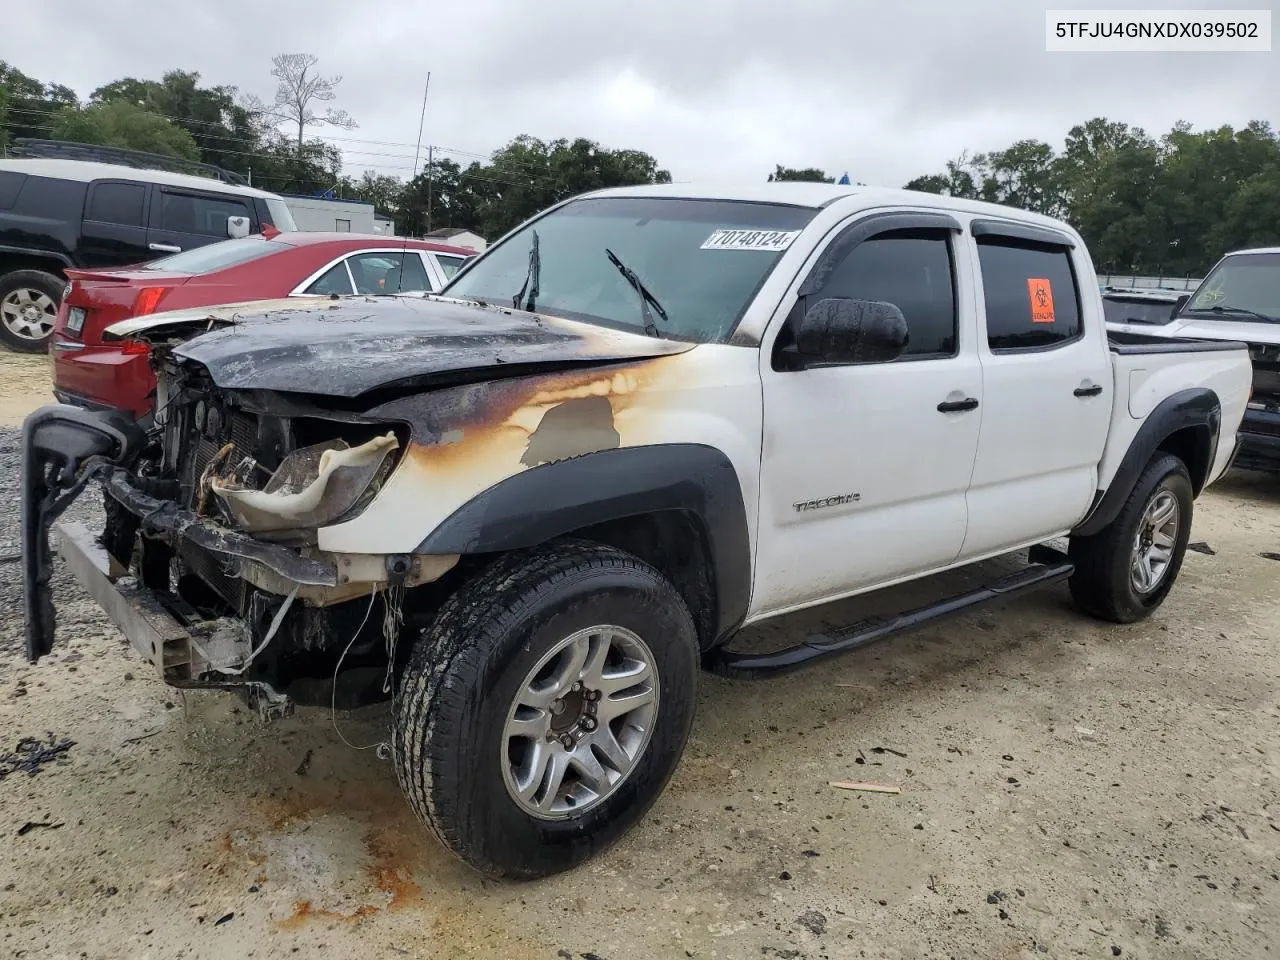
[(29, 301), (546, 707), (1125, 571)]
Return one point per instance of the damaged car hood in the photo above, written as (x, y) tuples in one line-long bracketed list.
[(348, 347)]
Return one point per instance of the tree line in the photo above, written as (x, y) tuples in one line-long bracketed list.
[(275, 145), (1168, 205)]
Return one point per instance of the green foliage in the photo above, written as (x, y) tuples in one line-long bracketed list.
[(122, 124), (178, 117), (29, 105), (1170, 207), (522, 178), (807, 175)]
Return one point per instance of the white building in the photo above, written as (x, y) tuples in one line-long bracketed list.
[(457, 237), (318, 214)]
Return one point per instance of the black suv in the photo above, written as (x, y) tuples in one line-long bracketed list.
[(61, 206)]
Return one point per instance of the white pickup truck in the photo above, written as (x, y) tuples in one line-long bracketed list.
[(1240, 301), (531, 508)]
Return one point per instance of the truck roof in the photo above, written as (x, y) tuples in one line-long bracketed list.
[(1237, 253), (819, 195), (87, 170)]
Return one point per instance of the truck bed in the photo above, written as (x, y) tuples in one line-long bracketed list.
[(1135, 343)]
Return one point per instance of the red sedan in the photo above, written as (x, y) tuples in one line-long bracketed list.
[(90, 373)]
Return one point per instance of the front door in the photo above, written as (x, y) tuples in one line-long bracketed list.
[(865, 466), (1047, 383), (182, 219)]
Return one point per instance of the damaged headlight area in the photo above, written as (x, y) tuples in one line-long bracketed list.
[(312, 488), (276, 477)]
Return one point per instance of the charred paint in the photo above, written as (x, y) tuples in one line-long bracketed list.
[(571, 429), (518, 421), (352, 347), (468, 437)]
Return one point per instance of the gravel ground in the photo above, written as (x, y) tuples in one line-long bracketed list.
[(1069, 789)]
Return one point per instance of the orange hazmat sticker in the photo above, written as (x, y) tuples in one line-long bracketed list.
[(1040, 292)]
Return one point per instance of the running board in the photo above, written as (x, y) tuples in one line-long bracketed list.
[(1048, 566)]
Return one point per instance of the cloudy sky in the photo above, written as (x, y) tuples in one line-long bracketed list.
[(715, 89)]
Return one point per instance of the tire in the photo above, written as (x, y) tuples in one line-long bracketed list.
[(454, 754), (26, 320), (1104, 582)]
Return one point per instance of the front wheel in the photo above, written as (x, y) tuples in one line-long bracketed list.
[(546, 707), (1124, 572)]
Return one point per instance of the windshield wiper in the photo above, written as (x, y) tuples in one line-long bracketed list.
[(1239, 312), (646, 297), (530, 278)]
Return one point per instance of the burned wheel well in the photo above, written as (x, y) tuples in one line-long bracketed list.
[(678, 506), (675, 543), (1191, 445)]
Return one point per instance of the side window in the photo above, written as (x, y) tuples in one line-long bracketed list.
[(116, 203), (199, 213), (1030, 293), (449, 264), (376, 273), (911, 269), (51, 198), (10, 187), (334, 280)]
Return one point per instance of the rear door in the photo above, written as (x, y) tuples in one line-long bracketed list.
[(181, 219), (114, 228), (1047, 387)]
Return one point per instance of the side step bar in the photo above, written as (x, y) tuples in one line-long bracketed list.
[(1047, 566)]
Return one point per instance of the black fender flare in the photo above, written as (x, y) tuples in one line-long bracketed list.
[(1197, 407), (556, 499), (60, 258)]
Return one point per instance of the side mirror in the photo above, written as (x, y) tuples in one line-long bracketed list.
[(1179, 304), (842, 330), (237, 227)]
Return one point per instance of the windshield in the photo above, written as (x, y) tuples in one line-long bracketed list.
[(1119, 310), (1239, 285), (702, 260), (281, 218), (216, 256)]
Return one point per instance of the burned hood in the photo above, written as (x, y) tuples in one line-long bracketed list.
[(348, 347)]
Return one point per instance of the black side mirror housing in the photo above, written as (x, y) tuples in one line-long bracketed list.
[(842, 330), (1179, 304)]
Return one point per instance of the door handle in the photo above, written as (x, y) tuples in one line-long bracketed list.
[(1089, 391), (956, 406), (164, 248)]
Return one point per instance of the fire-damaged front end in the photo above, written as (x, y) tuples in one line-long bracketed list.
[(223, 556), (208, 558)]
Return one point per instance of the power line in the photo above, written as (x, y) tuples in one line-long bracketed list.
[(230, 138), (279, 158)]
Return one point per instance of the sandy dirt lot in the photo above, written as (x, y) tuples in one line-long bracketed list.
[(1069, 789), (24, 385)]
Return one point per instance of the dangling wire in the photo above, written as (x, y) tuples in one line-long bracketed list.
[(333, 692), (392, 621)]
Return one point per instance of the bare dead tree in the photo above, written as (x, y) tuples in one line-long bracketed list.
[(300, 88)]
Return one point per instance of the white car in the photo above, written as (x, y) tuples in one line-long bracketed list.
[(642, 420)]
